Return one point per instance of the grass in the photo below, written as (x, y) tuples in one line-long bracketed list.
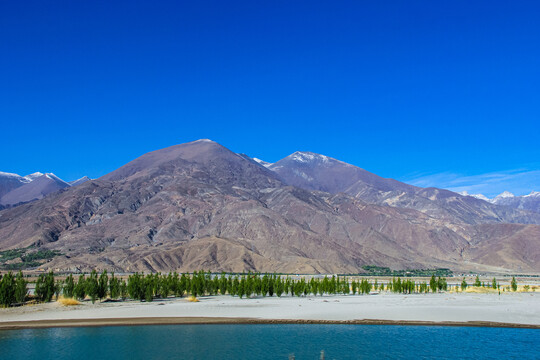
[(67, 301), (481, 290), (192, 299), (506, 289)]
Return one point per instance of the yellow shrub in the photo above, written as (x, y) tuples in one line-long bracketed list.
[(68, 302)]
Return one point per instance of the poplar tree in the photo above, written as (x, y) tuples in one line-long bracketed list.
[(80, 288), (92, 286), (114, 287), (7, 290), (123, 290), (102, 285), (45, 287), (514, 284), (149, 289), (433, 284), (57, 289), (21, 289), (69, 286)]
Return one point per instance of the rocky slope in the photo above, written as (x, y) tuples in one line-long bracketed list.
[(318, 172), (200, 206)]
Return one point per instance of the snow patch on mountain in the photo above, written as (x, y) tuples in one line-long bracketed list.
[(262, 162), (307, 157), (33, 176), (303, 175), (10, 175), (477, 196)]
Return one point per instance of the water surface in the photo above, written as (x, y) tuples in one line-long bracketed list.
[(270, 342)]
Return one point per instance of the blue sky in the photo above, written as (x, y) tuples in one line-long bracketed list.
[(422, 91)]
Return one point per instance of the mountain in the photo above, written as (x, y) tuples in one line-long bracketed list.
[(201, 206), (321, 173), (33, 176), (16, 189), (34, 190), (9, 182), (79, 181), (530, 202)]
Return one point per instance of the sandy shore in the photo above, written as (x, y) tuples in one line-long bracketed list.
[(509, 310)]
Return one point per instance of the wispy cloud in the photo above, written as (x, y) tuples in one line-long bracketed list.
[(517, 181)]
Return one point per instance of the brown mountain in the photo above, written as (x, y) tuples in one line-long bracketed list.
[(200, 206), (318, 172)]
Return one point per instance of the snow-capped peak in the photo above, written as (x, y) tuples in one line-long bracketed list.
[(33, 176), (505, 194), (306, 157), (204, 140), (11, 175), (55, 178), (533, 194)]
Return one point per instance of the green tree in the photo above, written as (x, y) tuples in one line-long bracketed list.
[(103, 284), (442, 284), (514, 284), (464, 285), (21, 289), (114, 287), (494, 284), (92, 286), (477, 282), (135, 287), (69, 287), (80, 288), (149, 289), (223, 284), (433, 284), (45, 287), (7, 290), (57, 289), (123, 290)]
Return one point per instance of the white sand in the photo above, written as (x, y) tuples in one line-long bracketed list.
[(512, 308)]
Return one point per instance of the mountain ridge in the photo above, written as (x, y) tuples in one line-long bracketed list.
[(199, 206)]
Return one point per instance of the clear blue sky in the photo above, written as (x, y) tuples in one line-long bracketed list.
[(403, 89)]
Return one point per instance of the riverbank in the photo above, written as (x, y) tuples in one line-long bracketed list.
[(453, 309)]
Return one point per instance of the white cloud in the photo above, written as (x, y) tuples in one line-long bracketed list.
[(518, 182)]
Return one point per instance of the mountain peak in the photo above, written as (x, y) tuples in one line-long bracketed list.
[(79, 181), (308, 157), (505, 194), (33, 176), (10, 175), (204, 140)]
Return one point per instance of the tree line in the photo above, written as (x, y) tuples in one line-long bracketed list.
[(138, 286)]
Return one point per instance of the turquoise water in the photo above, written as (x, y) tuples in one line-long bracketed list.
[(270, 342)]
